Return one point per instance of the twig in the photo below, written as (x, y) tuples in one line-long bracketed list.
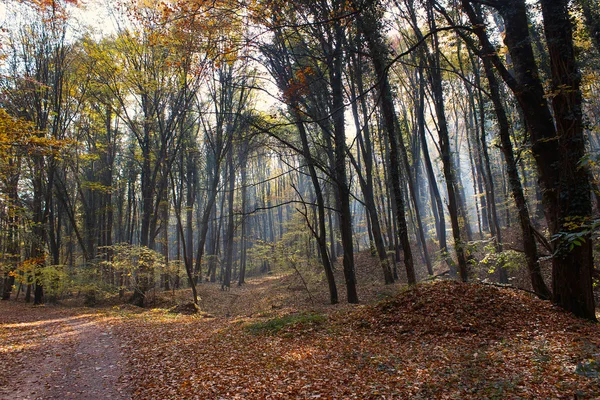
[(312, 301)]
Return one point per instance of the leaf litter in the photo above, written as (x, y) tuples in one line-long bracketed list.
[(445, 340)]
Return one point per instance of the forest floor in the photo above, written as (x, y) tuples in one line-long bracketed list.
[(271, 339)]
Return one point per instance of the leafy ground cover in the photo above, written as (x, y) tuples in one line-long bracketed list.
[(445, 341), (268, 340)]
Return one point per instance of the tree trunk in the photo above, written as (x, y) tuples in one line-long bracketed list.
[(244, 222), (322, 236), (367, 22), (436, 197), (343, 190), (557, 150), (571, 268), (435, 80), (364, 139), (229, 232)]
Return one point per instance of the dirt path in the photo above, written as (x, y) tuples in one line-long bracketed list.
[(73, 357)]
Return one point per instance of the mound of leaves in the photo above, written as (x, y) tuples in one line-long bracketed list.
[(453, 308), (445, 340)]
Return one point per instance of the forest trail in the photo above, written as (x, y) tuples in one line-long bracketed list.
[(64, 357)]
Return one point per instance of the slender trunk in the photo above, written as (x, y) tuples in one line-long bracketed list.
[(164, 211), (477, 192), (147, 189), (229, 233), (190, 200), (367, 23), (12, 238), (489, 180), (38, 231), (343, 190), (438, 206), (413, 195), (322, 236), (208, 211), (448, 166), (366, 182), (244, 222), (187, 260)]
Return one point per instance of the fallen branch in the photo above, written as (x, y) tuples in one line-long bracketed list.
[(501, 285), (523, 251), (432, 277)]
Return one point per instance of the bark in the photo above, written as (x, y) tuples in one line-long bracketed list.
[(229, 232), (368, 25), (565, 185), (489, 179), (366, 182), (12, 248), (571, 268), (181, 241), (343, 190), (38, 229), (322, 234), (437, 205), (244, 222)]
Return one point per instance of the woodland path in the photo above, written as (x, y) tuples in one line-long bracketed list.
[(69, 357)]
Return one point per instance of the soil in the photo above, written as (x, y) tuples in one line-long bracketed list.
[(66, 356)]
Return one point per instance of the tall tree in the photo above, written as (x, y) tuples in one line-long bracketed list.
[(557, 143), (368, 25)]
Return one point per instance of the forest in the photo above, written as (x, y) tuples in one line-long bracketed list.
[(292, 160)]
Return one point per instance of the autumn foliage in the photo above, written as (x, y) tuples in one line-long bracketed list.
[(445, 340)]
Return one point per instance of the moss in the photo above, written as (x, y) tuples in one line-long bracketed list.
[(286, 322)]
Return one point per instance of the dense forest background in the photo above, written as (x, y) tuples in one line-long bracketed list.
[(209, 141)]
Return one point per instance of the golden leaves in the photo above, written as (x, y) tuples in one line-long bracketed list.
[(445, 340), (19, 136)]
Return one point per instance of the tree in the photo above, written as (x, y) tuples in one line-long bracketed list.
[(529, 241), (559, 148), (367, 23)]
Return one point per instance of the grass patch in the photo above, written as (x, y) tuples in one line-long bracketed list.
[(289, 322)]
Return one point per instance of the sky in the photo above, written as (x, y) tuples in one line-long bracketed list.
[(92, 13), (96, 14)]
